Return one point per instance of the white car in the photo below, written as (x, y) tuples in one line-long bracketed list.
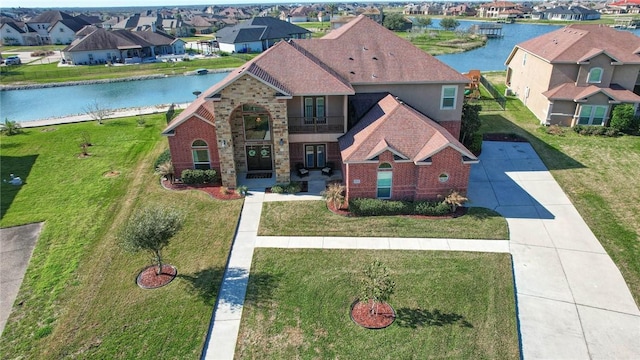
[(12, 60)]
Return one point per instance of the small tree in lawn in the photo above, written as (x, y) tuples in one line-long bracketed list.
[(377, 286), (97, 111), (10, 128), (150, 229), (449, 23)]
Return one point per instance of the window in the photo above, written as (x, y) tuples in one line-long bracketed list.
[(314, 110), (62, 30), (448, 97), (256, 123), (200, 151), (595, 75), (443, 178), (385, 176), (524, 59), (592, 115), (90, 57)]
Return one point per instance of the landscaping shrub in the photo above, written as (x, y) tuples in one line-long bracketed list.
[(596, 130), (162, 158), (475, 146), (197, 176), (623, 119), (277, 189), (554, 130), (378, 207), (292, 188), (431, 208)]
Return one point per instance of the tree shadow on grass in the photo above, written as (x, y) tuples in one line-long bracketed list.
[(260, 288), (20, 166), (205, 283), (414, 318)]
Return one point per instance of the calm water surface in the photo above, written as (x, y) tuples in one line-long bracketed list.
[(25, 105)]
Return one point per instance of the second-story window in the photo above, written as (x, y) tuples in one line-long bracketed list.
[(595, 75), (448, 97), (314, 110)]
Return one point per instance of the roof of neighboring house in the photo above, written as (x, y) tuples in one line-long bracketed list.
[(74, 24), (570, 10), (625, 3), (499, 4), (332, 64), (89, 19), (569, 91), (137, 21), (572, 43), (102, 39), (394, 126), (156, 37), (199, 21), (258, 29), (14, 26), (50, 17)]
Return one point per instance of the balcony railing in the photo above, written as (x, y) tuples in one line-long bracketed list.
[(312, 125)]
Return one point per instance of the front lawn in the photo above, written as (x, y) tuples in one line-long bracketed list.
[(599, 174), (312, 218), (79, 298), (448, 305)]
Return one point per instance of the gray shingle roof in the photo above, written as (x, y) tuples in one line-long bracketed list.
[(258, 29)]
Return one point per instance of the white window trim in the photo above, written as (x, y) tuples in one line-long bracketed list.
[(592, 113), (389, 171), (442, 97), (198, 148)]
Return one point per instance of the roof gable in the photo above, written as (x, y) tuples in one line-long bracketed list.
[(577, 41), (394, 126)]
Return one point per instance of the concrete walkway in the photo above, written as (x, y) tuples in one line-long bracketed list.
[(572, 300), (16, 247)]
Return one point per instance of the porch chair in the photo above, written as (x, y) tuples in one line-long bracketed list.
[(302, 171)]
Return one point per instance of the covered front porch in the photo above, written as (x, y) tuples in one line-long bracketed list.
[(315, 180)]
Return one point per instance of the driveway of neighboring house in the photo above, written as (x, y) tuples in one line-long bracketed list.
[(16, 246), (571, 298)]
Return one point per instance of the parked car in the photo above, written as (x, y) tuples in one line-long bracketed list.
[(12, 60)]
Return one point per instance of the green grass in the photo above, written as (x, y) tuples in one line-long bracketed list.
[(597, 173), (78, 297), (312, 218), (49, 73), (436, 42), (448, 305)]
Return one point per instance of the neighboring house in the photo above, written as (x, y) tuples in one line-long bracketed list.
[(496, 9), (64, 31), (297, 15), (200, 24), (575, 75), (569, 13), (12, 33), (139, 22), (384, 112), (372, 12), (45, 20), (460, 10), (102, 46), (626, 6), (258, 34)]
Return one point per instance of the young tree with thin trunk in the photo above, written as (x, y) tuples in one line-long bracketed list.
[(97, 111), (150, 229), (377, 286)]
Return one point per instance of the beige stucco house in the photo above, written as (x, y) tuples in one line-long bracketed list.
[(575, 75)]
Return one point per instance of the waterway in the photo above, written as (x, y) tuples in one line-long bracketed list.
[(35, 104)]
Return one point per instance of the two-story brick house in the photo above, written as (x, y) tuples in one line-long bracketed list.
[(383, 111), (575, 75)]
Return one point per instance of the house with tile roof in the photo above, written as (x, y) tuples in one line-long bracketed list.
[(381, 114), (258, 34), (498, 9), (575, 75)]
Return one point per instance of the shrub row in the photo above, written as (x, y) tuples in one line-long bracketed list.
[(596, 130), (290, 188), (162, 158), (198, 176), (378, 207)]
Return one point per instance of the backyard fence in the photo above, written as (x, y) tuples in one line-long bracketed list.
[(498, 102)]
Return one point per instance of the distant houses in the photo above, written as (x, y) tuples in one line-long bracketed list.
[(258, 34)]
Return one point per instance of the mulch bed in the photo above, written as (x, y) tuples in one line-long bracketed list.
[(509, 137), (211, 189), (148, 279), (361, 315), (304, 187), (460, 211)]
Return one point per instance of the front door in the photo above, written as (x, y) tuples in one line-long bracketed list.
[(315, 155), (259, 158)]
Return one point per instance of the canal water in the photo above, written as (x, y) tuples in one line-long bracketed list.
[(35, 104)]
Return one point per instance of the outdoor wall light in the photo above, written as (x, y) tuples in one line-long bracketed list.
[(223, 143), (281, 142)]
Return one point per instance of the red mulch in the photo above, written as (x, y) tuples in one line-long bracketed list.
[(460, 211), (148, 279), (361, 315), (211, 189)]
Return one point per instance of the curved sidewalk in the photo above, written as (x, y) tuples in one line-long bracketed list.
[(572, 300)]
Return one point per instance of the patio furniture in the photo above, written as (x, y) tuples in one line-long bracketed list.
[(328, 169), (302, 171)]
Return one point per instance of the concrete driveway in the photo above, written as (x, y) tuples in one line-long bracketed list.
[(16, 246), (572, 300)]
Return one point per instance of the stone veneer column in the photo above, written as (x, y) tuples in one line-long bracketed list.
[(248, 90)]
